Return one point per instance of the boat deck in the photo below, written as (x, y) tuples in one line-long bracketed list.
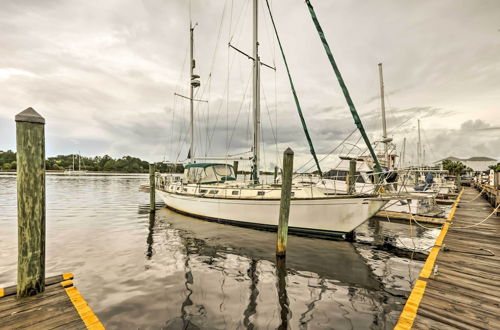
[(458, 285), (60, 306)]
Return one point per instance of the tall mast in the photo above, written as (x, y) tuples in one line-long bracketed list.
[(404, 152), (419, 146), (191, 92), (382, 107), (256, 95)]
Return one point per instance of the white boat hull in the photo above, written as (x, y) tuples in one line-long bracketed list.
[(324, 216)]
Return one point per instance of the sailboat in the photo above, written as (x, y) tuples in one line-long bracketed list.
[(72, 171), (411, 201), (210, 191)]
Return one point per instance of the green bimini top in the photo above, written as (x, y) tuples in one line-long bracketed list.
[(205, 165)]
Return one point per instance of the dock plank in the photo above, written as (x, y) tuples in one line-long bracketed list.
[(52, 309), (462, 292)]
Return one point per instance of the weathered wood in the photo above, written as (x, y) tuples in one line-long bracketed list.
[(152, 188), (30, 139), (408, 216), (286, 193), (60, 306), (464, 291), (235, 167), (12, 290), (351, 178)]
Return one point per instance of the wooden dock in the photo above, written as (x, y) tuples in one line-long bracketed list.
[(60, 306), (410, 217), (458, 285)]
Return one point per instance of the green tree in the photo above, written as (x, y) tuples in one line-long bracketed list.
[(454, 168), (495, 168)]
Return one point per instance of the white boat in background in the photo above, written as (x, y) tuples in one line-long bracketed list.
[(411, 201), (72, 171)]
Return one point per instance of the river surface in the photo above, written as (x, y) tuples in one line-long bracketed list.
[(170, 271)]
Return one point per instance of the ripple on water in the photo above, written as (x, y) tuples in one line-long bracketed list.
[(171, 271)]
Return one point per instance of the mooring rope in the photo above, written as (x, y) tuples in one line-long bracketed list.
[(482, 221), (484, 188)]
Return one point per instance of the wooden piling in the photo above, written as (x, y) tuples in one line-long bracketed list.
[(152, 188), (286, 194), (30, 139), (275, 174), (235, 167), (351, 179)]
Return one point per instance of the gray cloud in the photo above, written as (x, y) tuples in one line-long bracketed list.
[(104, 74)]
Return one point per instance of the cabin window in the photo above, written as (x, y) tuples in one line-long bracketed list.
[(359, 178), (261, 193), (184, 189), (292, 194), (213, 191), (235, 192), (203, 191), (178, 188)]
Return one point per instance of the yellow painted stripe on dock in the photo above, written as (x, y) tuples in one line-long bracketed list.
[(410, 310), (67, 283), (429, 263), (67, 276), (442, 234), (86, 314), (453, 209), (2, 292)]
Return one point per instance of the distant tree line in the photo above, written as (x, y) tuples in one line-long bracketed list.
[(126, 164)]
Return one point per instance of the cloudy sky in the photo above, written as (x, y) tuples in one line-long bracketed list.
[(104, 74)]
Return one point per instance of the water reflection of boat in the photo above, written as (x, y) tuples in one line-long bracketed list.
[(231, 279)]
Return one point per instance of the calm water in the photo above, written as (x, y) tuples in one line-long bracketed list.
[(170, 271)]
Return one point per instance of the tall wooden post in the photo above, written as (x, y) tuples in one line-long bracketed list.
[(286, 194), (152, 188), (30, 139), (351, 179), (235, 166)]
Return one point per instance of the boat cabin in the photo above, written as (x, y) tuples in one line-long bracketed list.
[(207, 173)]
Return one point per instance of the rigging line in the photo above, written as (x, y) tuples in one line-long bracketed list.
[(269, 114), (352, 148), (209, 82), (352, 108), (226, 87), (332, 151), (349, 152), (210, 138), (171, 148), (242, 13), (299, 110), (239, 111)]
